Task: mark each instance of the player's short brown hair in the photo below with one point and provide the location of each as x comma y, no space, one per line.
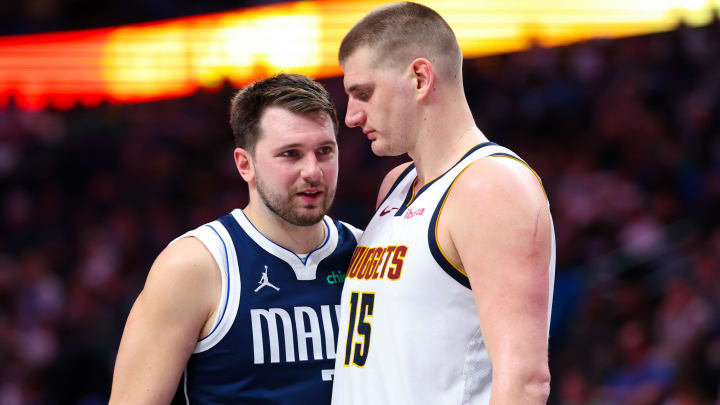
293,92
401,32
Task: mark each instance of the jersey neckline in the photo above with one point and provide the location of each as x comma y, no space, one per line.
304,269
412,196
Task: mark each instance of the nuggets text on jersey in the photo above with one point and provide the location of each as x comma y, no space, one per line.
371,263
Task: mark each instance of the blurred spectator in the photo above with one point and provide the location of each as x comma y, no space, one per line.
643,377
682,318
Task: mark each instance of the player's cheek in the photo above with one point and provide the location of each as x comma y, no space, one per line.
331,170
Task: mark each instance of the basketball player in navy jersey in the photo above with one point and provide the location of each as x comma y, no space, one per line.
447,299
243,310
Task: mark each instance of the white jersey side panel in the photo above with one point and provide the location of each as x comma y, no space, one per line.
409,330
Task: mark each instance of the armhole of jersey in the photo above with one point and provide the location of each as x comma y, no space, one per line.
218,241
357,232
449,267
397,182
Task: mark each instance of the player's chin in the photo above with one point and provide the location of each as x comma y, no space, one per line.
382,150
377,148
311,214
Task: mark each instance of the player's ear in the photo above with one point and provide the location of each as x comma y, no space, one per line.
243,162
424,77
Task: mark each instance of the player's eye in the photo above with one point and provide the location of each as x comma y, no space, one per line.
324,150
362,93
290,153
364,96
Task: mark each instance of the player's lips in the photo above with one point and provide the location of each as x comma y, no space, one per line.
310,195
369,133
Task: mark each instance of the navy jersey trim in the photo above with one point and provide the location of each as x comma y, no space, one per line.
412,196
397,182
437,253
227,292
512,157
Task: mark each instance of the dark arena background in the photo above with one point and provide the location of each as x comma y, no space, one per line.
624,130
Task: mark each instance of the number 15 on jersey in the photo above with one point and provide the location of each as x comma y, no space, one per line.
361,308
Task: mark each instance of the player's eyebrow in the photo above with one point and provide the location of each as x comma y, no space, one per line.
357,87
295,145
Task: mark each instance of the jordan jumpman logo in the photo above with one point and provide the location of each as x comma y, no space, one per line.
264,281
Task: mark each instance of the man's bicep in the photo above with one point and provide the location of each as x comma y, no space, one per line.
161,331
505,250
511,287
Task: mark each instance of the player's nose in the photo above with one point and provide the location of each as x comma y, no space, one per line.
355,116
311,171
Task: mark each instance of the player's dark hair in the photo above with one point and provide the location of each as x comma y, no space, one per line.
401,32
293,92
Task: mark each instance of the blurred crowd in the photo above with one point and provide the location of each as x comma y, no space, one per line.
624,133
39,16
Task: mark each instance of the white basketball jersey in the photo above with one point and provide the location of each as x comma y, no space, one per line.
409,330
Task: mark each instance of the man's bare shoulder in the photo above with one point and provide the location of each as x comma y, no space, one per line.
187,254
186,268
499,180
498,203
389,180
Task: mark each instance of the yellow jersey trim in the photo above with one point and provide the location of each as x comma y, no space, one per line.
437,243
526,165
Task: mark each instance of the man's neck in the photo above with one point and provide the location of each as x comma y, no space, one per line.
298,239
447,134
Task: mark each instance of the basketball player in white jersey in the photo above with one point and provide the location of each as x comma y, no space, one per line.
447,298
243,310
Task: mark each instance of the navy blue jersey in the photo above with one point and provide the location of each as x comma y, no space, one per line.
274,337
